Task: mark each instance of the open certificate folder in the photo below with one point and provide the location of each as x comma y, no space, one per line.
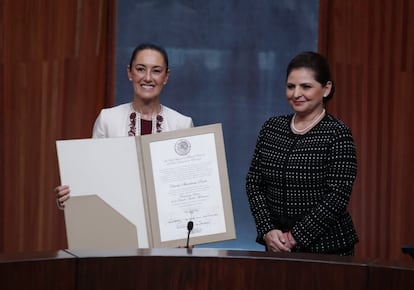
141,192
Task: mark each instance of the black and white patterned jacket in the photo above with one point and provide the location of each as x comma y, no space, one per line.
303,183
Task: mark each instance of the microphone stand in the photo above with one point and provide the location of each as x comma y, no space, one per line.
190,225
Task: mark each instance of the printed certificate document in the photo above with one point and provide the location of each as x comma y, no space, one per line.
140,192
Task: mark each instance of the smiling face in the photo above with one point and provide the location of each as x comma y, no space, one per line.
305,94
148,73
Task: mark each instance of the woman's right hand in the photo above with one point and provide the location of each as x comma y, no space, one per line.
276,241
62,194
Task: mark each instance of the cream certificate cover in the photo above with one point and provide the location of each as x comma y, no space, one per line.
108,168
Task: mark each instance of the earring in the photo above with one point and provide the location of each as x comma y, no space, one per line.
130,79
324,96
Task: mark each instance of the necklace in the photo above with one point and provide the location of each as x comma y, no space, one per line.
135,126
310,126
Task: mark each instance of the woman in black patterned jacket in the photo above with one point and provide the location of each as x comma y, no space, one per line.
303,168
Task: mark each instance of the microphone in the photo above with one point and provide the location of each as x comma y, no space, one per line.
190,225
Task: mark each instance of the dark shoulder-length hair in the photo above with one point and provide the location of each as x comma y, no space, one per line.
318,64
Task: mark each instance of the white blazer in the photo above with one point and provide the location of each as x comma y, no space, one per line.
115,122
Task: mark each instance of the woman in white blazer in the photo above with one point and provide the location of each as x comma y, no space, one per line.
148,73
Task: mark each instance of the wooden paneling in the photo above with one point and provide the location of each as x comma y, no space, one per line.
216,269
391,275
38,271
56,73
198,269
370,45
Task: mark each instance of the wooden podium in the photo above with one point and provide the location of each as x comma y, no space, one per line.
179,268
